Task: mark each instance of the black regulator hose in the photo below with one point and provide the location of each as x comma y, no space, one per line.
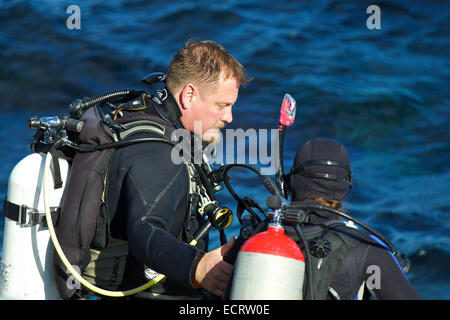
346,216
310,284
78,106
266,181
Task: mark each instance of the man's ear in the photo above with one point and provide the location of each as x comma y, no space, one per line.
187,95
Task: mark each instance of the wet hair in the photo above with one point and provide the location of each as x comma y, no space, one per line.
202,62
335,204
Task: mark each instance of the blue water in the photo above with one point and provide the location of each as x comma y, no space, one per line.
383,93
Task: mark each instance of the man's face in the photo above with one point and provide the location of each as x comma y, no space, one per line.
206,110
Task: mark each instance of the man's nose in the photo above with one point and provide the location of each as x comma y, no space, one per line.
227,115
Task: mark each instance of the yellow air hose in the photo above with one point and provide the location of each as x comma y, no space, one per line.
63,257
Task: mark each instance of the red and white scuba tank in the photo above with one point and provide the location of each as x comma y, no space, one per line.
269,266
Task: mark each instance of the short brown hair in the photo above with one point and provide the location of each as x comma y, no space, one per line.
201,62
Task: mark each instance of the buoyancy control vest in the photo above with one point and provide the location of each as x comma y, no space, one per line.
83,225
338,256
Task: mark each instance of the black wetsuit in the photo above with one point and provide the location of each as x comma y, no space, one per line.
394,284
367,258
147,201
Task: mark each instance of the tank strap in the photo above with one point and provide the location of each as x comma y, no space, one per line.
26,216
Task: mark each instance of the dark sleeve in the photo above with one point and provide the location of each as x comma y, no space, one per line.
385,278
154,194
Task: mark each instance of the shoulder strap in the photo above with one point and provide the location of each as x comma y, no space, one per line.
312,231
139,126
134,123
343,239
324,268
123,138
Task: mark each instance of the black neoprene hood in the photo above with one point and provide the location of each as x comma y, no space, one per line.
321,169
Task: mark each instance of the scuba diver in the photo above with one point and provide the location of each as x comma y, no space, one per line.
345,260
132,219
151,207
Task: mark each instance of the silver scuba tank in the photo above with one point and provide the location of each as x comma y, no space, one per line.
25,267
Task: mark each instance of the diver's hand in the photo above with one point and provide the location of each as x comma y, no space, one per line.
212,271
